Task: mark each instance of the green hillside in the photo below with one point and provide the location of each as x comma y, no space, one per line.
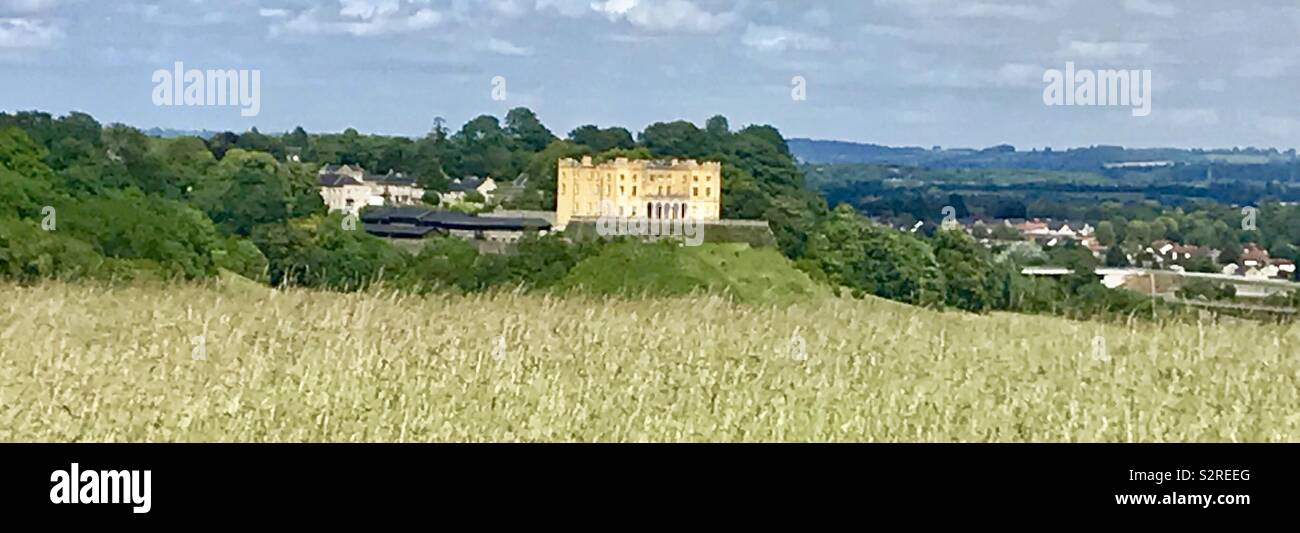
760,275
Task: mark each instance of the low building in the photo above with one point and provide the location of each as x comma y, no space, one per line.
459,188
419,222
349,188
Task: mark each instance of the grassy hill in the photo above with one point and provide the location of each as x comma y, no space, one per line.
92,363
756,275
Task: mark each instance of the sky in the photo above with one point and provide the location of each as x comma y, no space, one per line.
952,73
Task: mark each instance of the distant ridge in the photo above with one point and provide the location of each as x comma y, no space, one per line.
1006,156
168,133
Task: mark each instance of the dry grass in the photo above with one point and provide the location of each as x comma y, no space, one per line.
83,363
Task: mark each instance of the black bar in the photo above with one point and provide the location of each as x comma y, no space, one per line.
323,482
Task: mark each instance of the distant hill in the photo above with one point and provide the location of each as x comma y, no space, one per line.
1091,158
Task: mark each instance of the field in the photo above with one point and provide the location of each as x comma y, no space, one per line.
91,363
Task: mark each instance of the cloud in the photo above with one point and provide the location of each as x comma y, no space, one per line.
1019,75
25,33
1008,75
882,30
1266,68
362,18
368,9
1151,7
1104,50
509,8
568,8
968,9
1190,117
819,17
1281,127
777,39
1216,85
916,118
664,15
26,7
507,48
272,13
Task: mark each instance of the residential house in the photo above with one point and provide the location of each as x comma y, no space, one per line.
349,188
1253,256
1256,263
1033,228
459,188
1169,253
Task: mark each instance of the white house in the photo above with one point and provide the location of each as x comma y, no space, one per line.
348,188
456,192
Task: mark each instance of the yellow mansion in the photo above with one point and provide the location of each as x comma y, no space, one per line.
664,189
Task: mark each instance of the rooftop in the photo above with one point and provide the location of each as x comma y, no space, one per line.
425,217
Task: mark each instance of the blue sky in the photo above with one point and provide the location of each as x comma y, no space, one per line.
900,72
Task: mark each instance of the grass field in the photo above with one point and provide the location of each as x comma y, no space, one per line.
87,363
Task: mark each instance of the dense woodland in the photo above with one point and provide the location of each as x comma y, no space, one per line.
80,200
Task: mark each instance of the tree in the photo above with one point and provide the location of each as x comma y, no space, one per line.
443,262
966,269
1139,233
873,259
26,184
599,140
485,149
1201,264
221,143
1115,257
129,149
1004,232
298,138
174,238
675,139
247,189
28,253
718,126
526,130
1106,233
242,257
431,198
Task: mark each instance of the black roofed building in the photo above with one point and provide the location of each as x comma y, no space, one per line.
420,222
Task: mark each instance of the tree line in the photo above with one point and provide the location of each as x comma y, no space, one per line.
80,200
